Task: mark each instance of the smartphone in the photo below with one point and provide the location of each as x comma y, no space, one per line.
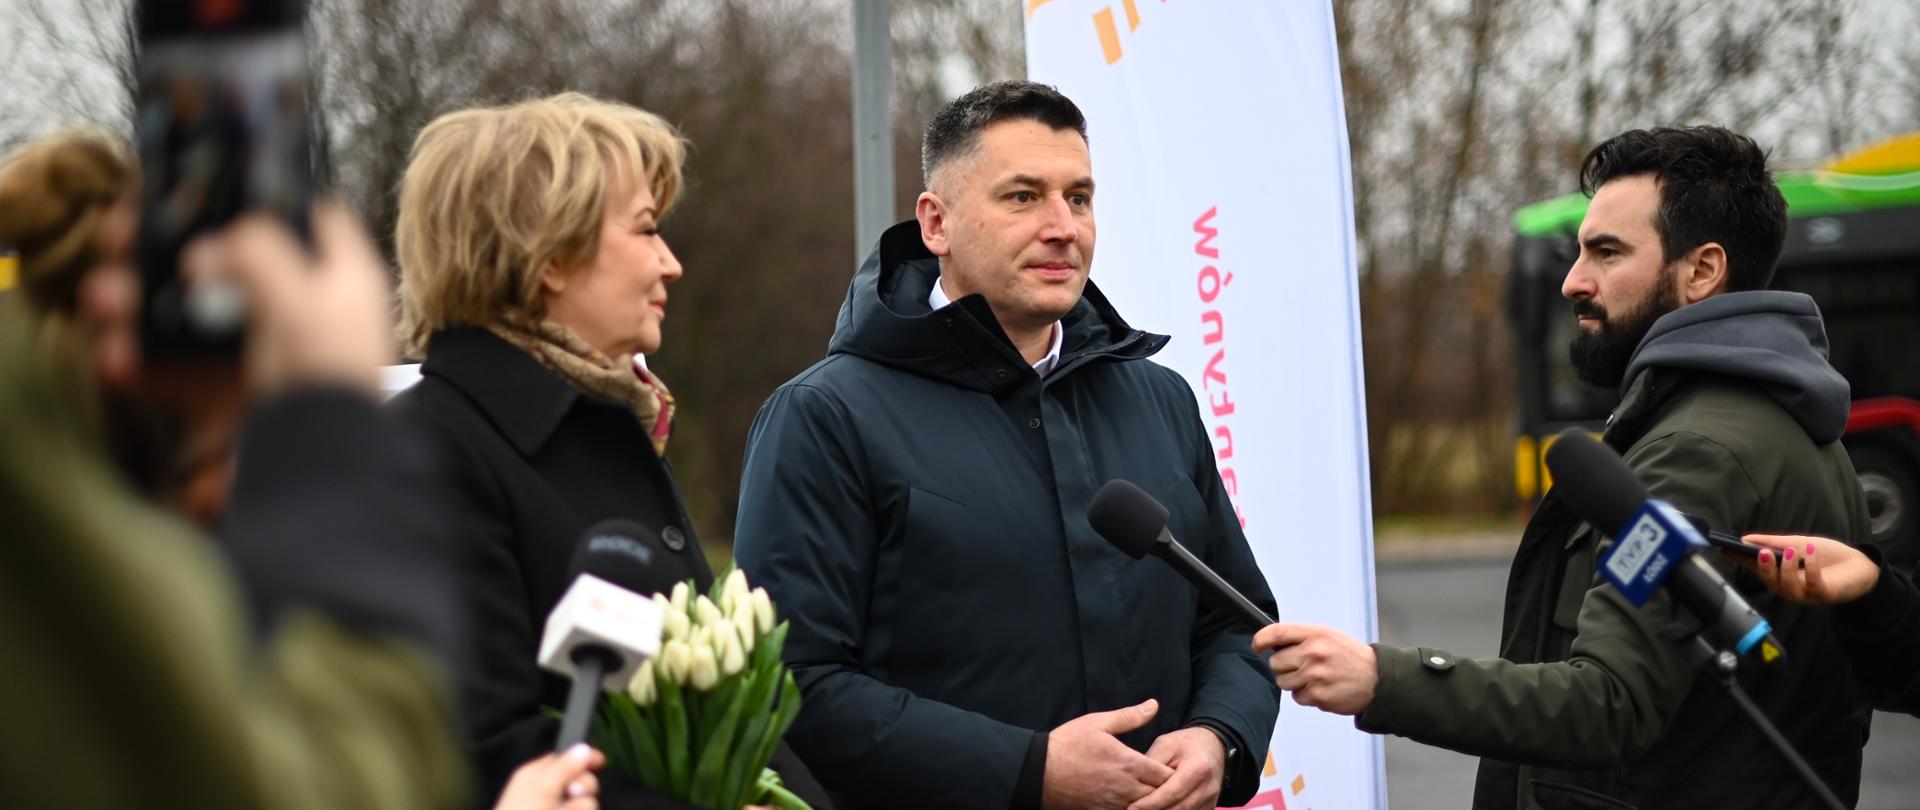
1722,540
221,127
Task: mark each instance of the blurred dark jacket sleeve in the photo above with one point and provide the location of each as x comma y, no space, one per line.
1881,634
133,676
335,508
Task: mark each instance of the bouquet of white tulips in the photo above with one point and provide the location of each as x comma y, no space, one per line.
700,721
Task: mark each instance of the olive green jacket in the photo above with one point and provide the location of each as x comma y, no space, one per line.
1588,705
132,676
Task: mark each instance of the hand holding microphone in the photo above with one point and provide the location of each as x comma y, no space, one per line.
565,780
1323,667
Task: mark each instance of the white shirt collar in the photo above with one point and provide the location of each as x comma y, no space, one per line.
938,299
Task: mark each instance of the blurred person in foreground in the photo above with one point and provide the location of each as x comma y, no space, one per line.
533,279
918,501
1876,607
296,661
1729,411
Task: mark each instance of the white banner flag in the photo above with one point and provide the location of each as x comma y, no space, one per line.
1225,219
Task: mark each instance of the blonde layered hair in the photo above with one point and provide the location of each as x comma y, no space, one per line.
494,197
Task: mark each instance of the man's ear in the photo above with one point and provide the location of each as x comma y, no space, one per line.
931,211
1703,273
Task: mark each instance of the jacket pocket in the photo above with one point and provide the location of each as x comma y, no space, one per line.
936,548
1549,795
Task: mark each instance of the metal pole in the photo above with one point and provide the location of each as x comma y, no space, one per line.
872,124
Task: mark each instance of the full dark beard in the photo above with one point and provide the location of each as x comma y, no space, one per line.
1600,358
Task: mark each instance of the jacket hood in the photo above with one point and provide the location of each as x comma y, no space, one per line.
886,319
1774,339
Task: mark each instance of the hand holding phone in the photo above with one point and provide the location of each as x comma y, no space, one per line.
1813,570
1722,540
222,131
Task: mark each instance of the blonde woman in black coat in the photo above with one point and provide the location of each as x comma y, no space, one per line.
533,279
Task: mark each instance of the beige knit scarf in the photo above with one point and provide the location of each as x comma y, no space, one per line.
563,352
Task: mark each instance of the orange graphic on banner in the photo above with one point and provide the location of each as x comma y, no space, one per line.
1104,25
1109,36
1276,799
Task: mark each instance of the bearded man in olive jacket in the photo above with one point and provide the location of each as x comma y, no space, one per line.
1731,413
916,504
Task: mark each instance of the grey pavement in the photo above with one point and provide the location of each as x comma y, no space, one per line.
1453,602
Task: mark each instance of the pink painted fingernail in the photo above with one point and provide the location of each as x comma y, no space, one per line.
1809,549
1766,556
1789,554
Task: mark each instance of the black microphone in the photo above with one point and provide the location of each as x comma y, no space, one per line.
602,629
1135,523
1654,544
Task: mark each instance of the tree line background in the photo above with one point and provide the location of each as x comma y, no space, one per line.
1459,111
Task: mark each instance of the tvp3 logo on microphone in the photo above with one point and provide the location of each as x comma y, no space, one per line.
1656,540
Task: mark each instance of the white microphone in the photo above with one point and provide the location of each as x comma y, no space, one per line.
602,629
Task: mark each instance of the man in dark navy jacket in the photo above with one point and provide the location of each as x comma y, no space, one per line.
916,504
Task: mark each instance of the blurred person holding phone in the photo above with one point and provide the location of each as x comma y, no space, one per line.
533,280
294,663
1876,607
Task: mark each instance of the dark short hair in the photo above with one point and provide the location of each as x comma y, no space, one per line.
955,130
1714,187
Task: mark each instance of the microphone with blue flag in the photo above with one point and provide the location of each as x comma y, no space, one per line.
1654,546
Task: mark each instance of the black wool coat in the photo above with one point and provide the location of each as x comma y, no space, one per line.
536,463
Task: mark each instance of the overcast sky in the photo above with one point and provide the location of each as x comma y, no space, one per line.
50,80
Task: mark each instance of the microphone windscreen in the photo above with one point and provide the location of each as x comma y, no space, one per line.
1594,481
1127,517
616,551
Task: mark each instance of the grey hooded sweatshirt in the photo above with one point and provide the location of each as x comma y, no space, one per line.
1773,340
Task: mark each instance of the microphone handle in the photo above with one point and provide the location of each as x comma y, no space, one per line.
1717,605
590,665
1250,615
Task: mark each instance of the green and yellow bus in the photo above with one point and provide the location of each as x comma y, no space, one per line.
1853,243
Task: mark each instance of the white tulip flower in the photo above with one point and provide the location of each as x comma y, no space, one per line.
680,598
732,602
677,624
705,670
763,609
732,657
736,583
705,611
744,625
676,660
642,688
